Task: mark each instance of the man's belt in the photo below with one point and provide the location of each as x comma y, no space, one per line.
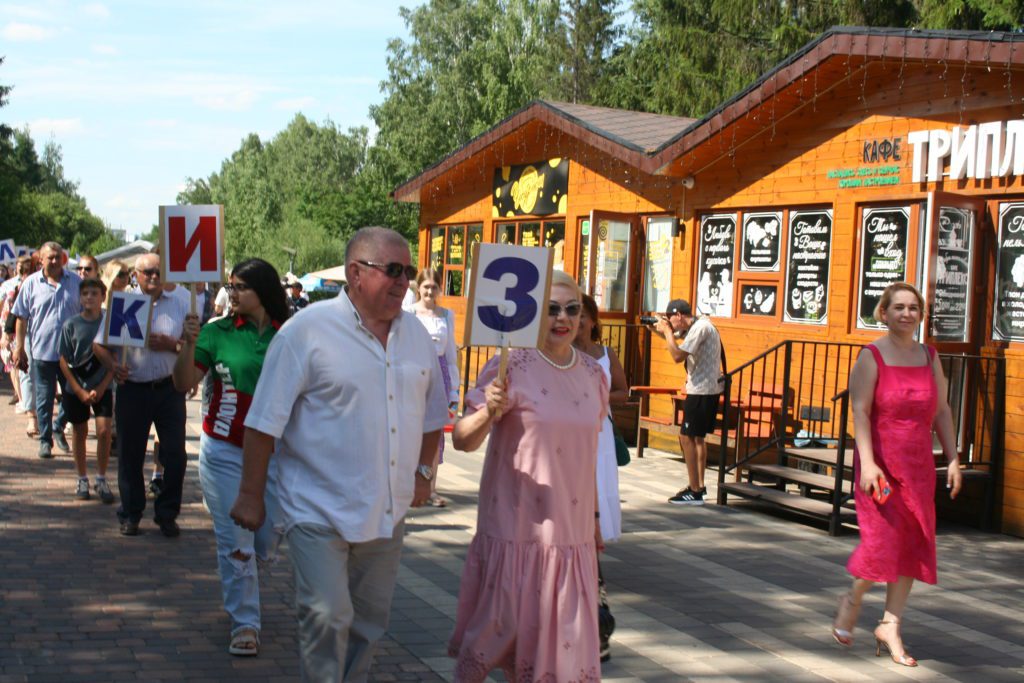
153,384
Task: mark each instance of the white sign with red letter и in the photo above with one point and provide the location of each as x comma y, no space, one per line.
192,243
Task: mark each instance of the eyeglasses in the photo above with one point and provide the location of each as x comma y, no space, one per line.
237,287
85,269
393,270
149,272
571,310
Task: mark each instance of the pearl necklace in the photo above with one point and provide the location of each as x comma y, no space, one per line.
560,366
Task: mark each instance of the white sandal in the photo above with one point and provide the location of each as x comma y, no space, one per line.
245,643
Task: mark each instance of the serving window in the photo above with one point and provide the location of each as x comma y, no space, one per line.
765,264
535,234
450,254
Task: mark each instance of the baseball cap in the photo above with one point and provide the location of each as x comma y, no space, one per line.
678,306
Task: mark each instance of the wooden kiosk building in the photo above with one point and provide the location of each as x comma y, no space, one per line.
869,156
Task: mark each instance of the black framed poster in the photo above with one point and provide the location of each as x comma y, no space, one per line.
715,268
883,258
952,304
762,239
759,300
1008,316
808,267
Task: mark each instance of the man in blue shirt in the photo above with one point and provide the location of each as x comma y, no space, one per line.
47,299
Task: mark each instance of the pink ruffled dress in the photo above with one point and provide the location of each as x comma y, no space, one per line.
528,598
897,538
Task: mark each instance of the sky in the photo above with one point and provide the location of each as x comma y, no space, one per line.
142,95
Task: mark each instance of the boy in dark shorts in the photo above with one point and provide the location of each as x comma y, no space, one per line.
88,384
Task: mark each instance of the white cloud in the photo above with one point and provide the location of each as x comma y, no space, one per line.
108,50
295,103
55,127
32,12
161,123
96,10
18,31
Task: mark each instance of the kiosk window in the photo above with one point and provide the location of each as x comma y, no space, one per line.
658,264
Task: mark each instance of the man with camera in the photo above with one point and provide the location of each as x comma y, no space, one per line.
701,349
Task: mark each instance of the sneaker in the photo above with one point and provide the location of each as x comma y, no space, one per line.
45,450
703,491
82,491
605,650
156,486
104,492
61,441
687,497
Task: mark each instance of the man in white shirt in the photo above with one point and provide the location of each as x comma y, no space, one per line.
352,391
146,397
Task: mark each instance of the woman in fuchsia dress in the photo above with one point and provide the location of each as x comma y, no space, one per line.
898,393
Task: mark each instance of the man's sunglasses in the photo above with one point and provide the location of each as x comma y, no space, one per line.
237,287
122,273
393,270
149,272
85,268
571,310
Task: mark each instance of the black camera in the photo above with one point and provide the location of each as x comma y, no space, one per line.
649,320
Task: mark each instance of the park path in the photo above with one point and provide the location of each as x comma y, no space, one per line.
705,594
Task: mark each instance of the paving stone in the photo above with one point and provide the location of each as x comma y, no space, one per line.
708,594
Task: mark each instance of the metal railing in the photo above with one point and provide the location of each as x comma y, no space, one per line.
632,344
795,395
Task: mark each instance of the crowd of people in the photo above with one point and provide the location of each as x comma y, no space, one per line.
286,452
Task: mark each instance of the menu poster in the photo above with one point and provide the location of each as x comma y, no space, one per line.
808,268
883,258
1008,316
949,318
658,265
762,237
715,268
759,300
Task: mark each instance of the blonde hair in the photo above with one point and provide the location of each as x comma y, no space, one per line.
559,277
110,272
886,300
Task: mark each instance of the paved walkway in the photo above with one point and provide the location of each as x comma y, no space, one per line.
705,594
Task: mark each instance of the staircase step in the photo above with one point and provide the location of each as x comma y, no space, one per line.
825,456
789,501
818,481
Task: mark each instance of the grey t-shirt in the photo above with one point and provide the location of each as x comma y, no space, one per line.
76,338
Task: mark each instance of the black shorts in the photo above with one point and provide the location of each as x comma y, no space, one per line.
77,412
699,413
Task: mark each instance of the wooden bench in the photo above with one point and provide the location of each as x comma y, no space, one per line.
671,425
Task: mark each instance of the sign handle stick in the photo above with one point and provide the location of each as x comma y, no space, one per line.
120,356
192,297
502,369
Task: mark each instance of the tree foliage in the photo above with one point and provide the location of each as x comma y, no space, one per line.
301,190
37,201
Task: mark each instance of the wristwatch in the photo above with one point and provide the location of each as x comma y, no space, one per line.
425,471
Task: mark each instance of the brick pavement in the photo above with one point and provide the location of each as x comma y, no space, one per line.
709,594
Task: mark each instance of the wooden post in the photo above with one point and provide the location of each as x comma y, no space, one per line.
192,297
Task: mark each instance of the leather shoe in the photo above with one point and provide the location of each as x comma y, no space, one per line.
129,528
169,528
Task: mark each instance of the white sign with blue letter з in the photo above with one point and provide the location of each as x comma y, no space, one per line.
127,319
508,299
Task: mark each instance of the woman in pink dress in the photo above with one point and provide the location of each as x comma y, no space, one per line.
898,394
528,598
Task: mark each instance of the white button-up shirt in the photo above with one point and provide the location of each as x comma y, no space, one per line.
349,417
147,365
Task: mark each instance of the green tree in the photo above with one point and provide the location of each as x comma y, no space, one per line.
975,15
590,36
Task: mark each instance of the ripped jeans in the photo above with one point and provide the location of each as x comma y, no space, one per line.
220,472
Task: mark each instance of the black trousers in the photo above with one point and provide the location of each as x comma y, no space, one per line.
140,406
